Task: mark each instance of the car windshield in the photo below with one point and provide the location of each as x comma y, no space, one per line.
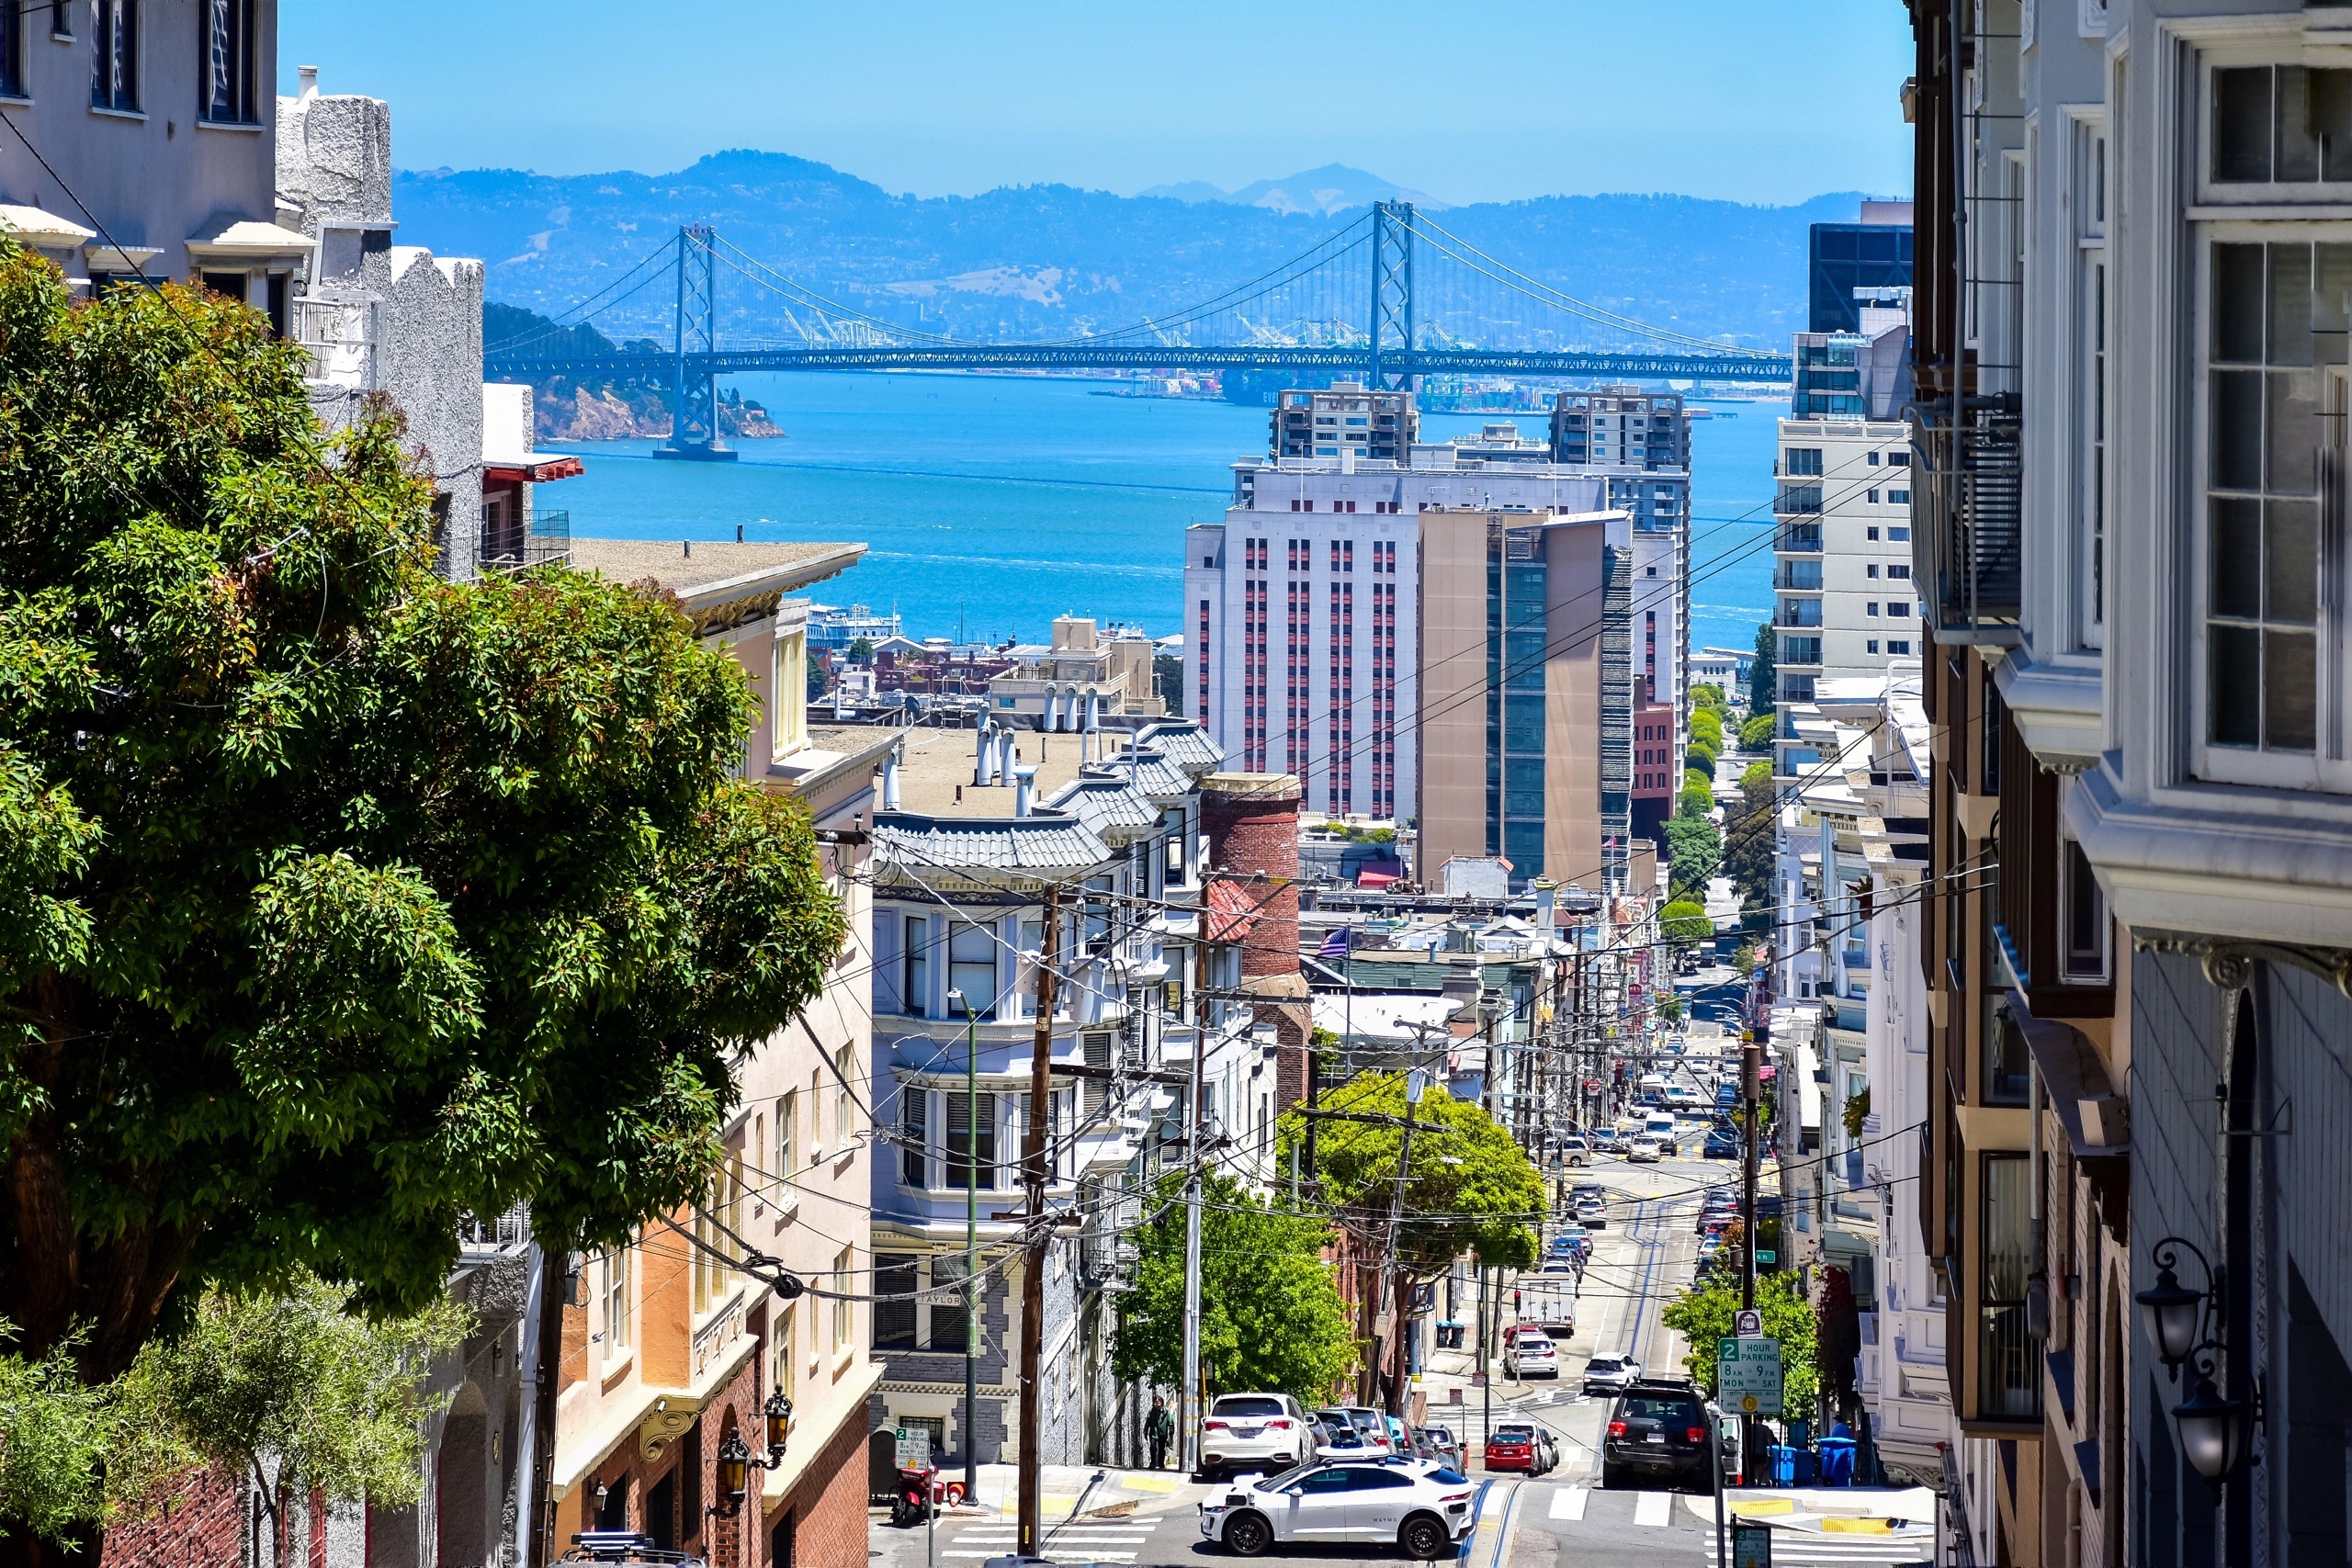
1245,1404
1440,1434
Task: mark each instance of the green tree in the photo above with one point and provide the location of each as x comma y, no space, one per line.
1695,849
1707,728
385,899
1707,695
861,650
1685,923
1270,1313
1747,840
1709,1311
1763,675
1469,1187
1757,733
296,1393
1698,760
1696,800
56,1433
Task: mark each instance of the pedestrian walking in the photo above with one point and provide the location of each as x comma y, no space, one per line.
1159,1427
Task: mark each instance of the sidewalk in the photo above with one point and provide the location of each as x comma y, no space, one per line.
1139,1490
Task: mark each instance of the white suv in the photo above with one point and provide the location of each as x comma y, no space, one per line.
1255,1431
1420,1505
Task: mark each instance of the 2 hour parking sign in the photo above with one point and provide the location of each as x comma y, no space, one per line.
1747,1375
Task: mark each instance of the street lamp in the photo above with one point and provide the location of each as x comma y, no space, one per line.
2186,1326
735,1460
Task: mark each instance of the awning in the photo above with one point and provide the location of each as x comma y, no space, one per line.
120,258
42,230
2095,1117
1232,909
532,468
247,239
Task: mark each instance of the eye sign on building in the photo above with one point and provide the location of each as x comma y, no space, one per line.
1747,1375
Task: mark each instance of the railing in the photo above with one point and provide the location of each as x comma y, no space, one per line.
511,546
509,1232
340,329
1803,576
1804,650
1801,612
1966,498
1802,538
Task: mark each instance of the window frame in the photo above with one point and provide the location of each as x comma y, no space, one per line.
2090,410
616,1296
112,20
245,94
2263,766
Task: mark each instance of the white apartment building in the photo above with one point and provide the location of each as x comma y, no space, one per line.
1302,607
1844,605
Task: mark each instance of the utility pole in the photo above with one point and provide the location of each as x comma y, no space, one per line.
1751,1092
1032,1270
1388,1269
1188,1411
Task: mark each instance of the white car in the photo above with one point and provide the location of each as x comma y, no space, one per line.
1255,1431
1419,1505
1534,1356
1645,1150
1610,1374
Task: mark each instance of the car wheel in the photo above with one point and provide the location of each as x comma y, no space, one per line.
1248,1535
1423,1538
1612,1475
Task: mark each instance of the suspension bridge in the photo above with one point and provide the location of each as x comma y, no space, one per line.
1385,299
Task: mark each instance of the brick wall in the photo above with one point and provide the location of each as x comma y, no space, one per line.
822,1523
1252,821
726,1543
199,1524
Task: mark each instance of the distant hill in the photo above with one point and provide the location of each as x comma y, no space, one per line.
1334,187
1031,261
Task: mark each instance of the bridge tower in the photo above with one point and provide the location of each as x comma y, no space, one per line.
694,434
1392,295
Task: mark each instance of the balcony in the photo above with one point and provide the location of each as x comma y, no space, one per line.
511,546
1966,500
339,329
1800,651
1800,576
1799,538
1801,613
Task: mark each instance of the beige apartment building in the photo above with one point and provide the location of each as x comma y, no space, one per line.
1517,691
669,1349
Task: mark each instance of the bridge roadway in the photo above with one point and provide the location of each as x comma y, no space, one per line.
1758,368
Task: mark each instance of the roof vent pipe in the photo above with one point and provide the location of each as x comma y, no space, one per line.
1024,787
1002,773
984,753
890,780
308,78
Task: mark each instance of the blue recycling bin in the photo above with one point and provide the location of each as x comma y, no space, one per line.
1837,1462
1783,1464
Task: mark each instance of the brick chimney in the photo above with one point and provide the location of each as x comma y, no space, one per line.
1252,821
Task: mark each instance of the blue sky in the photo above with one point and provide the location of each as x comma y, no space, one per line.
1753,100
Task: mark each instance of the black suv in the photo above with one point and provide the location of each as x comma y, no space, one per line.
1658,1428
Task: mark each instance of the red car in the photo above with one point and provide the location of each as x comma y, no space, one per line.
1511,1448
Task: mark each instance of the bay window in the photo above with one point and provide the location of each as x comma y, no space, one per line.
2089,552
971,967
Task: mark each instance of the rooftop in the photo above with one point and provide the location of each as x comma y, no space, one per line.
705,573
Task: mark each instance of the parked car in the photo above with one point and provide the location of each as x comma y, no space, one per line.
1444,1447
1721,1144
1532,1354
1512,1446
1255,1431
1424,1508
1609,1373
1593,1212
1400,1436
1644,1150
1658,1429
1572,1240
1373,1425
1337,1436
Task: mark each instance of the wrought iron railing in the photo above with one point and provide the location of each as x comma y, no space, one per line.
509,1232
1967,499
339,330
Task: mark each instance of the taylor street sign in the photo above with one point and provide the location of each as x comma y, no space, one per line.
1747,1375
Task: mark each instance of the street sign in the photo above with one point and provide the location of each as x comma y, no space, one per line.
1750,1322
1747,1374
1751,1546
1763,1256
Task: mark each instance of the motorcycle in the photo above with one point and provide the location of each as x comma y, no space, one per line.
923,1491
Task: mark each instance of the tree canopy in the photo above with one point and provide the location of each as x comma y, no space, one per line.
337,900
1271,1314
1685,923
1694,849
1757,733
1763,675
1468,1187
1708,1312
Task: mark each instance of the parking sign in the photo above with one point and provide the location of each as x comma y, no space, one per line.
1748,1323
1747,1375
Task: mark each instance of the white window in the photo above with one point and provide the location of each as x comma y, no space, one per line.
2083,925
844,1309
2089,541
2274,348
615,1293
914,984
971,967
788,1135
844,1102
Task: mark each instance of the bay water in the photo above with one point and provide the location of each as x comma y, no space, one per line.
990,505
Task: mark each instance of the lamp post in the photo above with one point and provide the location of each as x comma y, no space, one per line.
971,1243
2186,1326
736,1461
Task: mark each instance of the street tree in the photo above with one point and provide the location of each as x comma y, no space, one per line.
337,900
1686,924
1763,675
298,1393
1708,1312
1693,851
1271,1314
1468,1187
55,1434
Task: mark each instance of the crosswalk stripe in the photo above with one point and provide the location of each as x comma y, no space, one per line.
1568,1501
1653,1509
1090,1556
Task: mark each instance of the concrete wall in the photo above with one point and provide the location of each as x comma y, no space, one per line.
150,180
1572,617
1451,721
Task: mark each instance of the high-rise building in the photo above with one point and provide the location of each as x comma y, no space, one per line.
1526,693
1847,262
1345,420
1302,629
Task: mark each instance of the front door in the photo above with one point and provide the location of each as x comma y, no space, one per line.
1376,1504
